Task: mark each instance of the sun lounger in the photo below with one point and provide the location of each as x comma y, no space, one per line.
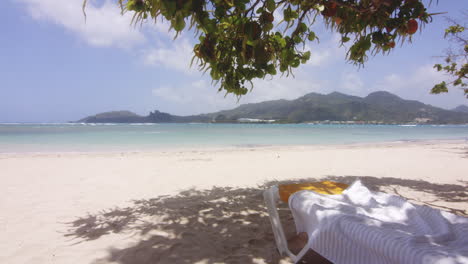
360,226
282,193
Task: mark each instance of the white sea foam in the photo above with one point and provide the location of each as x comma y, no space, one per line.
143,124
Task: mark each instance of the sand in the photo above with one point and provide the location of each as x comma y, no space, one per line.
195,205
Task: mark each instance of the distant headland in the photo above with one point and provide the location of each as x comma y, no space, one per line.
376,108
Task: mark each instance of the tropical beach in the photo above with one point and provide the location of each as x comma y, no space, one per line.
234,131
198,205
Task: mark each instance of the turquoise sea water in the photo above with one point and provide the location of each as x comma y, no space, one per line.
141,137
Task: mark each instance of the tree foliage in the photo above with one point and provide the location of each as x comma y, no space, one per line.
456,60
240,40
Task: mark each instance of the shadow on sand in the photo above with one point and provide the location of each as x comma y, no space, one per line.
227,225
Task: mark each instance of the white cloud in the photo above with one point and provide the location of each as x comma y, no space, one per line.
171,94
284,88
189,98
416,85
105,26
200,84
419,80
318,57
327,52
200,96
353,84
176,56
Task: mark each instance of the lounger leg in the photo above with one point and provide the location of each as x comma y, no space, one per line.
304,250
271,196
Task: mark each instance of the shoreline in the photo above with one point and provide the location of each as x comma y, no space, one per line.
218,148
236,123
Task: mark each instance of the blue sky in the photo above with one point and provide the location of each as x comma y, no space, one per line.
54,67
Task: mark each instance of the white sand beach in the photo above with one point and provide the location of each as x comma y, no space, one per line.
195,205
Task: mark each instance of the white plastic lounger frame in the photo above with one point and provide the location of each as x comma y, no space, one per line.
271,197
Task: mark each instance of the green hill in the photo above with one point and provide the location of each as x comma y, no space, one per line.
379,107
114,117
461,108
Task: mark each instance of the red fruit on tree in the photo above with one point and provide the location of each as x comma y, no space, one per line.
412,27
337,20
330,10
266,17
389,45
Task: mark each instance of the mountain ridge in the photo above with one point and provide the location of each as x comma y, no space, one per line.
376,107
461,108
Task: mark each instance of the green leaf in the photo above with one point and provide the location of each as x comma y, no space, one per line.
287,14
271,69
295,63
280,41
440,88
303,28
283,67
270,5
297,39
311,36
131,5
170,7
178,23
135,5
252,43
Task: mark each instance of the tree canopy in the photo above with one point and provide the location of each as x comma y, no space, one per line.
240,40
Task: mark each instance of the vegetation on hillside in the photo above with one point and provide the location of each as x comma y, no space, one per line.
380,107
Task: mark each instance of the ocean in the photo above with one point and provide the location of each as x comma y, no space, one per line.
70,137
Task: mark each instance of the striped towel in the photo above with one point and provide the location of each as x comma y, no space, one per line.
360,226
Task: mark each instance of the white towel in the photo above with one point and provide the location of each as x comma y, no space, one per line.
360,226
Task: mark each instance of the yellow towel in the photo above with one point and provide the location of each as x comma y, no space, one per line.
324,187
